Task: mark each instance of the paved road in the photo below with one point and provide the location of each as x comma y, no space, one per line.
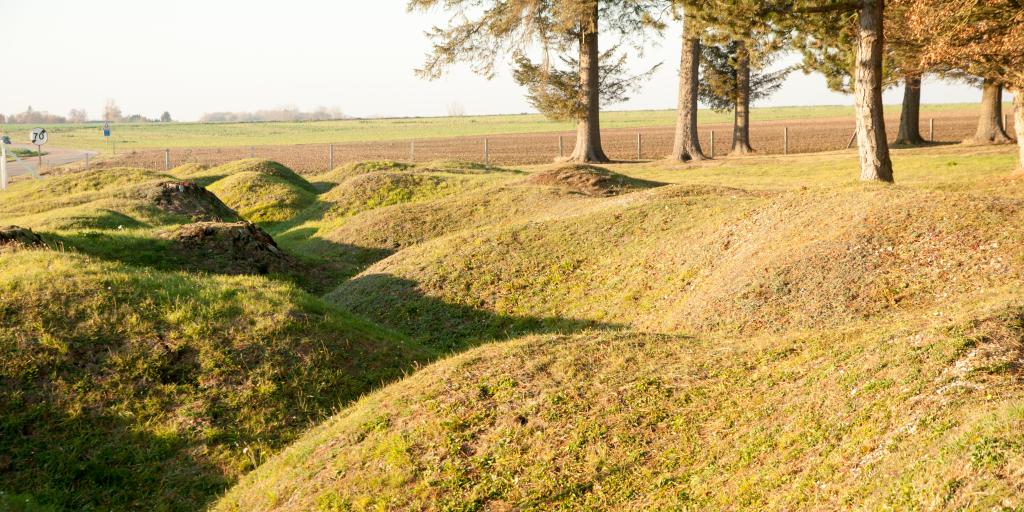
54,157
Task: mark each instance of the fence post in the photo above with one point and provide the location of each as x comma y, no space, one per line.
412,151
561,147
87,160
785,140
252,151
931,129
330,157
487,154
639,146
712,155
167,160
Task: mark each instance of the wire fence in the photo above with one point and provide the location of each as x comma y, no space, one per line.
767,138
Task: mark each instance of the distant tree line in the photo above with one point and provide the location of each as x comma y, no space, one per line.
279,114
111,112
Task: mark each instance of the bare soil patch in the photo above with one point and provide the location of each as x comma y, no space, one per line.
16,236
189,199
230,248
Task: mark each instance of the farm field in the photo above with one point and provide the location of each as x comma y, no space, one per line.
807,134
449,336
222,135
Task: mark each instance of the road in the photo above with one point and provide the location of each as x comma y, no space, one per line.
54,157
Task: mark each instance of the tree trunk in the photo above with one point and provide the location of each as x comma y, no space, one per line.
686,146
990,123
1018,124
741,120
588,130
875,164
910,116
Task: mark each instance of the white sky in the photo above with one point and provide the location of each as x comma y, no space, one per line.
192,57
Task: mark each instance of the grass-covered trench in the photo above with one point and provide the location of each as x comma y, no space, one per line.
752,333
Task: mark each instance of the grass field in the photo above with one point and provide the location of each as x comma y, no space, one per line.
753,333
195,135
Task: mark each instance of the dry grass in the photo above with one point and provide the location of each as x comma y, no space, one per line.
750,333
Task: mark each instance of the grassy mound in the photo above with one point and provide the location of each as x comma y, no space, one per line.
709,260
108,199
36,196
260,190
588,180
229,248
379,189
359,168
876,417
132,389
264,167
408,224
263,197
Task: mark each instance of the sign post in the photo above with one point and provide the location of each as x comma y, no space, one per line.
39,137
106,132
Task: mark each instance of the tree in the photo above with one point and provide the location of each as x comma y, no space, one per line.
111,112
729,84
860,34
455,109
556,93
482,31
165,117
910,113
686,144
990,120
980,38
77,116
752,44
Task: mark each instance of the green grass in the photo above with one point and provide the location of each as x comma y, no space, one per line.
751,333
177,135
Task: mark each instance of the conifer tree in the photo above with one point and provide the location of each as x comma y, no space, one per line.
729,84
480,32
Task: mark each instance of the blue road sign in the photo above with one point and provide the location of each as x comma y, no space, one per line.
106,129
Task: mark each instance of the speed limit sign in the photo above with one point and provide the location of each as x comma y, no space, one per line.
39,136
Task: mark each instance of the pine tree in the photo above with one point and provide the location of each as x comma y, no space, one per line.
686,144
731,82
480,32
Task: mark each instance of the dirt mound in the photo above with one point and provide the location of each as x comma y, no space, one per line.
17,236
588,180
230,248
188,199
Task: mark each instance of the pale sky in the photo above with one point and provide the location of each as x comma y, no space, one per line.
190,57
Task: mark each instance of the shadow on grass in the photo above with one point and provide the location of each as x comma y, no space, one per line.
398,304
95,460
321,265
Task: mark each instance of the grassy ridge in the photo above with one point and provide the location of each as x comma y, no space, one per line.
761,333
131,381
177,135
829,346
868,418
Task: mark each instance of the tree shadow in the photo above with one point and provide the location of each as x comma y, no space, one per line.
398,303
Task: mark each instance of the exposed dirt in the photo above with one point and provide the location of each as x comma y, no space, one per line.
15,236
767,138
588,180
230,248
189,199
